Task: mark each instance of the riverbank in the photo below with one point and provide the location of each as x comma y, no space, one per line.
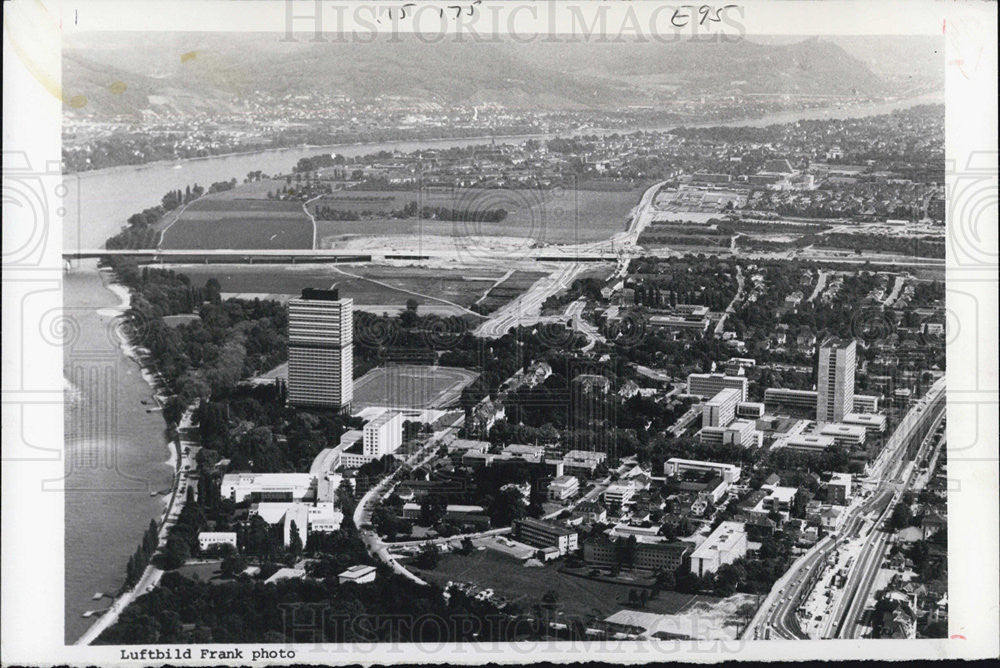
107,507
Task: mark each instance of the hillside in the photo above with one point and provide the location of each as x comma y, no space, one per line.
198,72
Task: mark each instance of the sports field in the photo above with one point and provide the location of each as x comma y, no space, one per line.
411,386
234,223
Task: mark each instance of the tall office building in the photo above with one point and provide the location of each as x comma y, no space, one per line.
320,349
835,382
720,410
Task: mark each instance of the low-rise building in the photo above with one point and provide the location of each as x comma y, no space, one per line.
563,487
750,409
780,397
838,488
582,462
723,546
845,435
255,487
874,423
529,453
676,323
603,551
619,494
463,445
591,511
545,534
676,465
707,385
865,403
809,443
357,575
209,539
780,499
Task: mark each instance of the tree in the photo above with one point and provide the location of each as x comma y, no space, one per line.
551,599
232,564
428,557
432,509
295,540
901,516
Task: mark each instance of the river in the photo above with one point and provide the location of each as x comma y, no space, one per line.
98,202
104,527
116,451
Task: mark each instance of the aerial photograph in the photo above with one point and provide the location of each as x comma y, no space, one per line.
400,341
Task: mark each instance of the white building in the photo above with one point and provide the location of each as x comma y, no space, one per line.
322,471
872,422
720,410
209,539
865,403
582,461
809,443
835,383
383,435
306,518
706,385
676,465
240,487
743,433
619,494
529,453
723,546
320,349
778,498
781,397
848,435
563,487
357,575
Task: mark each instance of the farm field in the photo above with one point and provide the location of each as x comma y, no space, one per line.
545,217
394,286
578,597
250,224
411,386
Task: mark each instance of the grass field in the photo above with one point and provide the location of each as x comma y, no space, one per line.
578,597
240,223
545,216
394,286
411,386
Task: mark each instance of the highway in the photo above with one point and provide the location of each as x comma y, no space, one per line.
525,309
900,478
777,615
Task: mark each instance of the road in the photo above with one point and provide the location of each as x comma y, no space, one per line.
862,578
526,309
897,287
820,284
362,512
776,617
732,305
